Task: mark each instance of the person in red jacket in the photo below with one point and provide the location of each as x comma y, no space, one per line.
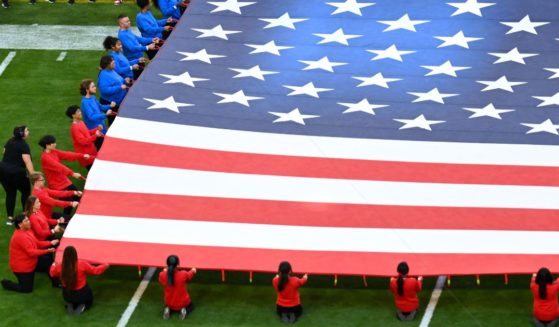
83,138
544,289
72,272
288,303
47,196
174,281
28,255
405,291
55,172
41,225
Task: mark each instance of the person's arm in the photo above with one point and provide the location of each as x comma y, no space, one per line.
130,42
50,164
91,112
123,67
107,85
95,270
419,284
70,156
302,281
37,230
55,270
143,40
82,138
148,27
28,163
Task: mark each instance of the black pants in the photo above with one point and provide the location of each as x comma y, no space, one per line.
110,119
151,54
68,210
13,181
82,296
26,280
297,310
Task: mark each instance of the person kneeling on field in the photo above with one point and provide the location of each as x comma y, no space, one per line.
546,307
176,294
288,302
405,291
75,290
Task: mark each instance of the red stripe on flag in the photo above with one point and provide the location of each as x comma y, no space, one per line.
314,214
115,149
316,262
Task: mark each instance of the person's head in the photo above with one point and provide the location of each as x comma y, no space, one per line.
543,278
22,222
172,264
74,112
123,22
284,271
32,204
403,269
48,142
20,133
69,261
143,4
110,43
37,179
107,62
87,87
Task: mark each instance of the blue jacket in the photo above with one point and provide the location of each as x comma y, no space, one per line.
94,113
170,8
123,66
133,46
149,26
110,85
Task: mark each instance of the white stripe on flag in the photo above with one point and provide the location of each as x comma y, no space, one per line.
133,178
262,236
334,147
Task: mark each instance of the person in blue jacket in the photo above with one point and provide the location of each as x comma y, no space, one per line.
171,8
112,86
94,113
148,25
133,46
128,69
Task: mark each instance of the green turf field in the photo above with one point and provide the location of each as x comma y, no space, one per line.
35,90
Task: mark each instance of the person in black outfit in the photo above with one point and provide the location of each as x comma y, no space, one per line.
15,164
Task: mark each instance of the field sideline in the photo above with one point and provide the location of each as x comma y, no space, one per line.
36,89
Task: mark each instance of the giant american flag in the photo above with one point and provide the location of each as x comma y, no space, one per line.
341,135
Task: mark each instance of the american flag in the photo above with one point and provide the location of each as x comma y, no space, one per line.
341,135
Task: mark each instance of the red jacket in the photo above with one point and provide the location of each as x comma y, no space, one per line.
545,309
409,301
40,225
83,140
46,196
289,296
55,172
24,250
83,269
176,296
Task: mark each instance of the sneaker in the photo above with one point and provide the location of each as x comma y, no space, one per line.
69,308
167,313
118,2
5,283
50,1
91,1
79,309
10,220
284,318
183,314
5,6
291,318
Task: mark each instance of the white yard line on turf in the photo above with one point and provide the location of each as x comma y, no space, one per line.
136,298
7,61
433,302
55,37
61,56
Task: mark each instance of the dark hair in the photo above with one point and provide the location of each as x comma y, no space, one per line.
172,263
18,219
29,203
18,132
156,3
403,270
543,278
84,86
34,177
142,3
46,140
105,61
284,270
69,263
109,42
121,16
71,110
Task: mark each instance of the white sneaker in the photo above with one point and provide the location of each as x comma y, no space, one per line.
10,221
183,314
167,313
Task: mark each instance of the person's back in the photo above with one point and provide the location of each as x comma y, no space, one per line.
176,295
289,296
545,309
408,301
